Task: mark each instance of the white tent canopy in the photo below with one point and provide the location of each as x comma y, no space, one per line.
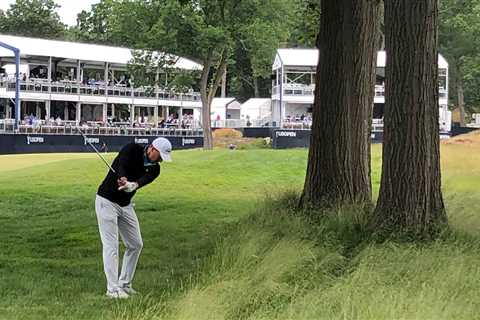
77,51
222,107
256,108
309,58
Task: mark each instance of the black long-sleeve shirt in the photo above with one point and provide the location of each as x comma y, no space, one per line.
129,163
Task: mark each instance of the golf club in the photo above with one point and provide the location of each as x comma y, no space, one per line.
95,149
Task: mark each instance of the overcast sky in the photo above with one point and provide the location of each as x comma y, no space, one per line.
68,10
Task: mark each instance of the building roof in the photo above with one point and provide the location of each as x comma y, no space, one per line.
298,57
309,58
77,51
255,103
222,102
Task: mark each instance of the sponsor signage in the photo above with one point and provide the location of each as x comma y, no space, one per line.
141,140
188,141
92,140
31,140
291,134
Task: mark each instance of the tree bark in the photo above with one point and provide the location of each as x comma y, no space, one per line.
206,123
410,198
361,33
461,100
338,168
208,92
256,90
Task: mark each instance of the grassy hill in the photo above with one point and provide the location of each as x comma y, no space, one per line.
218,244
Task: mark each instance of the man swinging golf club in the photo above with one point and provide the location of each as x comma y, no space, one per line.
134,167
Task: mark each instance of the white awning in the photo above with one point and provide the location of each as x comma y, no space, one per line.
221,102
256,103
309,58
77,51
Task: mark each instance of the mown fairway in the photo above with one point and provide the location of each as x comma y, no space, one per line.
203,257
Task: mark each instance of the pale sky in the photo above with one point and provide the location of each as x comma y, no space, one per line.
68,10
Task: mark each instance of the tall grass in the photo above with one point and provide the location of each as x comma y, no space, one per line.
277,265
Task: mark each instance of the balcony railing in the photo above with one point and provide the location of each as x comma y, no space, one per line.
308,90
380,92
293,89
98,128
75,88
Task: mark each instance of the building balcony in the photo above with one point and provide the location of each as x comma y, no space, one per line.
98,90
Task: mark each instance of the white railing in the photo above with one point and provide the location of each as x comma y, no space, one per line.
379,91
295,89
301,125
240,123
96,128
377,124
75,88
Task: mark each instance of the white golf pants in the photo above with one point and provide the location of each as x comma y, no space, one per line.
114,219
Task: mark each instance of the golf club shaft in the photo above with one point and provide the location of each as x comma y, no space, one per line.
95,149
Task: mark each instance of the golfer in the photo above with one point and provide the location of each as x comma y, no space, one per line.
134,167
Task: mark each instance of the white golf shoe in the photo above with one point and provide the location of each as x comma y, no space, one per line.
118,294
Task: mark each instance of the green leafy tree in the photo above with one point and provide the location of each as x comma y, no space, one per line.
32,18
459,43
209,32
267,26
113,22
305,18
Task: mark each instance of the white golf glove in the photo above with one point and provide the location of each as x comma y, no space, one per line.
129,187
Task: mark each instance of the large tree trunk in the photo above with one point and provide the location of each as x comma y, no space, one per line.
361,31
338,163
410,197
461,100
328,170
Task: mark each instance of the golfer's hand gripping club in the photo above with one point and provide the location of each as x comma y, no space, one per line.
127,186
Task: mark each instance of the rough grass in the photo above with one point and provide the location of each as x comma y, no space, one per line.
221,244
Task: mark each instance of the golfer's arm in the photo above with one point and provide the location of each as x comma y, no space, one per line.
123,158
148,177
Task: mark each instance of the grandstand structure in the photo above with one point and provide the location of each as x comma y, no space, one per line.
293,85
65,84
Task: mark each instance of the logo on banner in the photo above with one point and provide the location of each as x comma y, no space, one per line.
35,140
292,134
141,140
187,141
92,140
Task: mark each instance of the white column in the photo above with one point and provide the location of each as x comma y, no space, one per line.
155,116
78,112
49,75
104,113
38,112
157,77
8,110
65,111
79,79
106,78
47,110
113,110
132,114
49,81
